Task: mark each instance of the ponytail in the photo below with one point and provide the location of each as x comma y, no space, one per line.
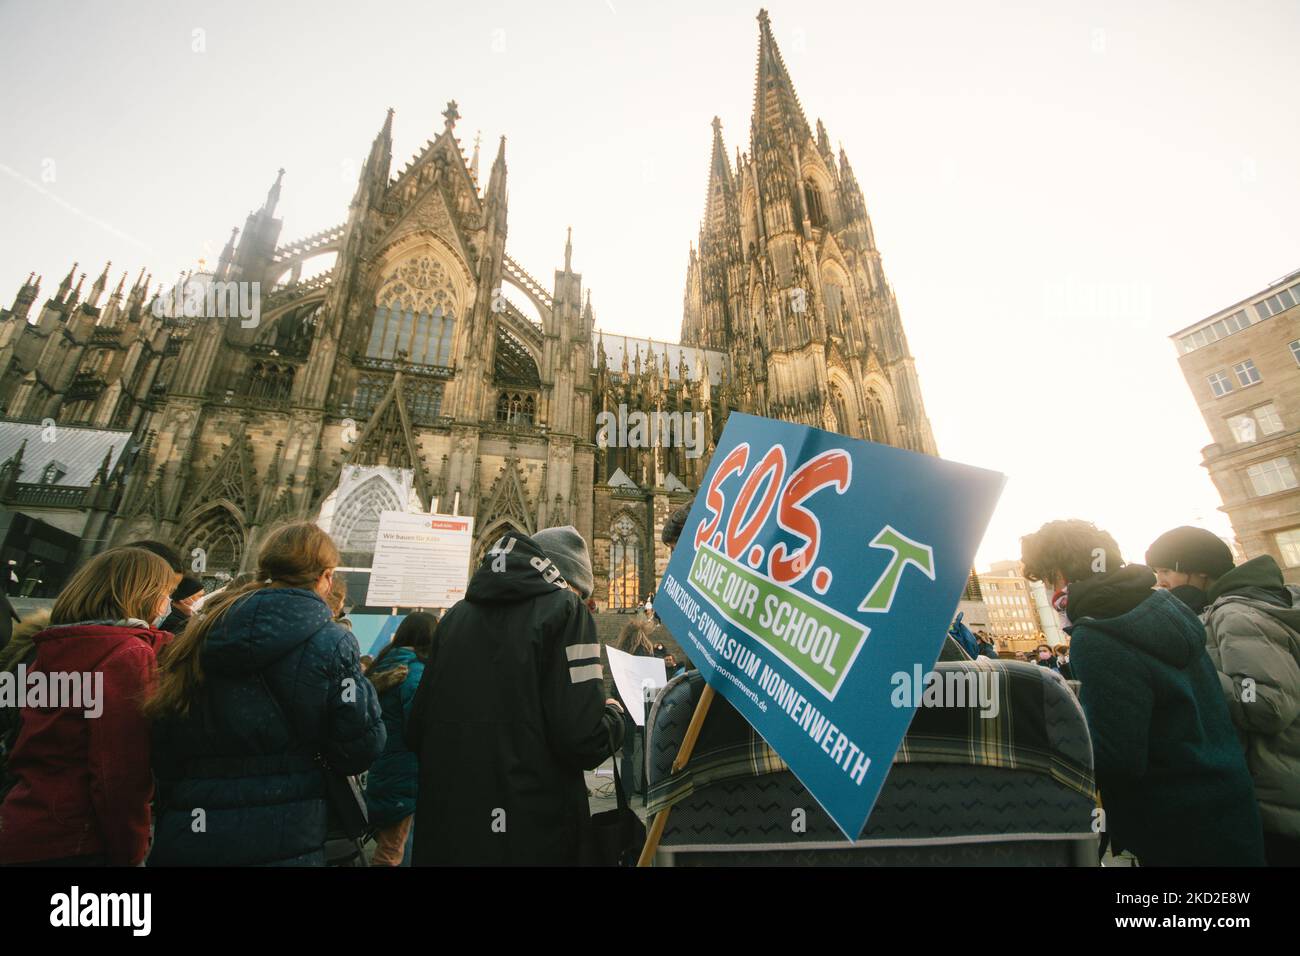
295,555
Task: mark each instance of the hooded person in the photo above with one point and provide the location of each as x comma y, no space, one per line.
1171,772
511,710
1252,624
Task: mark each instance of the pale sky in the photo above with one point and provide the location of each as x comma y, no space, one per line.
1055,187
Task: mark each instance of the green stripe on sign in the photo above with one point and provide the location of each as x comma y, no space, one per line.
815,640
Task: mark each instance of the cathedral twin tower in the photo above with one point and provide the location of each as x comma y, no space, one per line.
405,376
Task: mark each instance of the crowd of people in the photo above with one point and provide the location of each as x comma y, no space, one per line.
232,725
1189,677
229,724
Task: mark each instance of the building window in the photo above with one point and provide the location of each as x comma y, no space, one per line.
1288,545
624,565
515,408
1248,428
1270,477
1295,351
424,399
369,393
424,338
52,473
1243,428
1270,422
1220,385
1216,330
1246,373
1279,302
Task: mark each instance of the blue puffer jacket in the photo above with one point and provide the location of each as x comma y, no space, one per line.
237,782
392,783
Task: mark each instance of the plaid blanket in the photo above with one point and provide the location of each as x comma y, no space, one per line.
1020,737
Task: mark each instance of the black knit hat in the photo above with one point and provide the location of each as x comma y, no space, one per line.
1191,551
674,525
188,587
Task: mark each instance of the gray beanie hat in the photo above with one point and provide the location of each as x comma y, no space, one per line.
568,550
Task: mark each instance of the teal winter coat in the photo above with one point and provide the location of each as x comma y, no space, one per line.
1171,772
392,783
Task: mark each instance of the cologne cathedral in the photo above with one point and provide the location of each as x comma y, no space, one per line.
406,377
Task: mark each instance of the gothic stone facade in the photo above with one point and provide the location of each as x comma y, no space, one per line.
409,353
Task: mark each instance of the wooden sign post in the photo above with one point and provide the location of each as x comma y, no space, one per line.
656,831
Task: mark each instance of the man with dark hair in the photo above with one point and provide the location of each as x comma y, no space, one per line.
1252,624
1173,781
187,592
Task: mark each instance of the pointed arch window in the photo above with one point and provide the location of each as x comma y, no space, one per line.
876,419
816,205
425,338
833,296
269,382
624,564
369,393
423,399
516,408
220,536
843,420
356,523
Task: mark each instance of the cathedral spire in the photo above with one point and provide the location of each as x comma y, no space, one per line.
568,250
227,255
473,163
66,284
121,284
26,296
776,107
76,291
497,177
273,196
381,151
721,182
97,290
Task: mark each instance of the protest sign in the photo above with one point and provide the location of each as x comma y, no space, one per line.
630,674
812,569
420,560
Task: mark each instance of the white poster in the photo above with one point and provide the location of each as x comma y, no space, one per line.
420,560
631,674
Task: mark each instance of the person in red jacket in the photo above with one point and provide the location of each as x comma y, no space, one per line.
82,757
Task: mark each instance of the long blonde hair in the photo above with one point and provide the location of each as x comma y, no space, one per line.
115,585
295,555
634,638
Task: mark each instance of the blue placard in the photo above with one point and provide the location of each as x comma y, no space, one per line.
812,569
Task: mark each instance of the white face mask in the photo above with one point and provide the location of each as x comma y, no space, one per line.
157,622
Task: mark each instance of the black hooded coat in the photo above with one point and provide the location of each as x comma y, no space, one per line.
510,712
